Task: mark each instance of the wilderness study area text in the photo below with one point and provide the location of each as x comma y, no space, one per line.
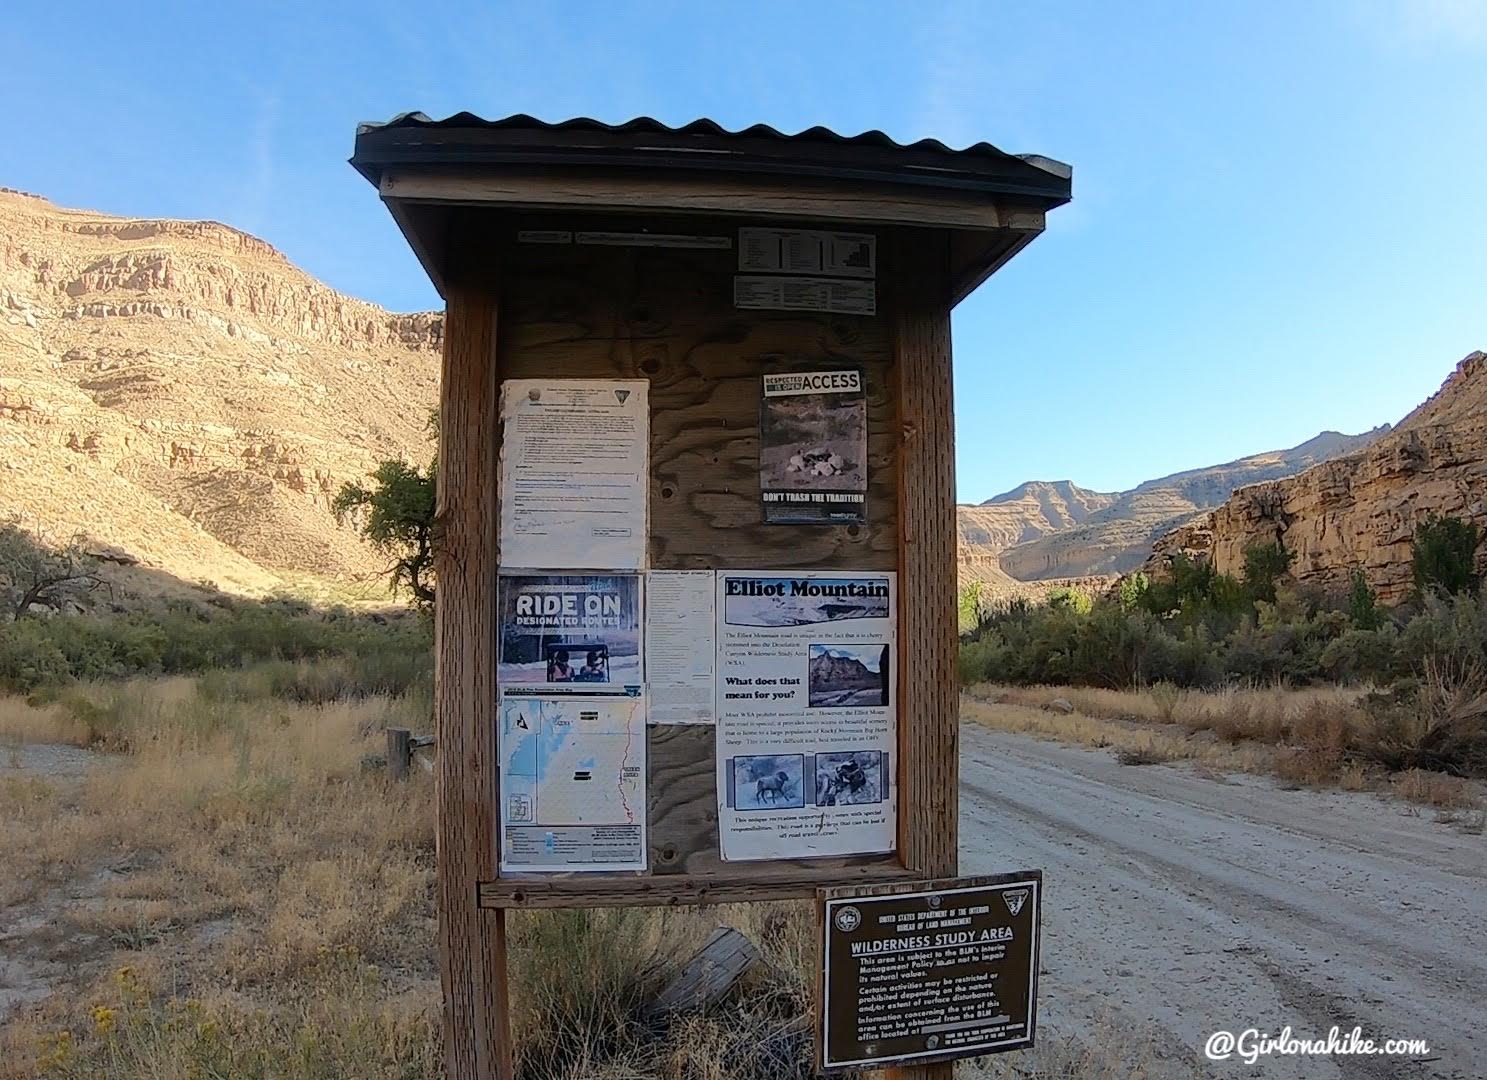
931,941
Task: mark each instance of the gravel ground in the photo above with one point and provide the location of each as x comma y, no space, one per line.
1188,904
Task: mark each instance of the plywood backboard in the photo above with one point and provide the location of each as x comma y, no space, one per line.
667,315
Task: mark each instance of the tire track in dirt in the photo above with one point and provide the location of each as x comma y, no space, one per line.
1192,904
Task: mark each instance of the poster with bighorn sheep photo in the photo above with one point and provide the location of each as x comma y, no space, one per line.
813,448
806,722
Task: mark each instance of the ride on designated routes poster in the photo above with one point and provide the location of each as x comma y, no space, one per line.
813,448
574,631
571,740
806,713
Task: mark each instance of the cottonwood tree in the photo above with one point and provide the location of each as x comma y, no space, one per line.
35,572
395,513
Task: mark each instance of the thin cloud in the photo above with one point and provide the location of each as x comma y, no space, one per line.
1454,25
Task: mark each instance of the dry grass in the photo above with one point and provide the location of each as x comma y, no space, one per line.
1261,714
1123,734
1316,737
233,857
228,892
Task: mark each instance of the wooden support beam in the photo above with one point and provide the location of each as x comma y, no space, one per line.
708,977
399,753
928,740
472,941
549,189
659,890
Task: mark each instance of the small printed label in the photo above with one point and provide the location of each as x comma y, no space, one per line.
667,240
804,294
544,236
808,251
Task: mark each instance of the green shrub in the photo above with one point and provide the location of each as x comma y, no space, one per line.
1363,603
1203,629
1264,565
1444,555
380,654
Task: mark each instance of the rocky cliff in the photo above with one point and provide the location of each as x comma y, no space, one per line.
179,391
1360,511
1088,533
828,672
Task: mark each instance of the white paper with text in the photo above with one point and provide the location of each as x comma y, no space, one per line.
680,646
573,473
806,729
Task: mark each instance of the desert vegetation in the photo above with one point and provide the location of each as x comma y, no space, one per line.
232,888
209,875
1252,673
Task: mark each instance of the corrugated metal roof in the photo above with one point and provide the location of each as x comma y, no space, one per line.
467,139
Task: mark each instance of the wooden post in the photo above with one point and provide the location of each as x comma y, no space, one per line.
472,941
399,753
929,727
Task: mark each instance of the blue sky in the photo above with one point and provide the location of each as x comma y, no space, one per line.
1280,215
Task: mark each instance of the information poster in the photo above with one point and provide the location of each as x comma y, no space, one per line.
680,646
573,785
570,631
813,447
573,473
571,739
949,970
806,724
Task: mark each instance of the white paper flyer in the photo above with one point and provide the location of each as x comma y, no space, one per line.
806,723
808,251
680,646
573,473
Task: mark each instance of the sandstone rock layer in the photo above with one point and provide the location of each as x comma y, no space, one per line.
1360,511
179,391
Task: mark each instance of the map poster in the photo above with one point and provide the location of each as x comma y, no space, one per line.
813,448
570,632
573,473
806,727
573,781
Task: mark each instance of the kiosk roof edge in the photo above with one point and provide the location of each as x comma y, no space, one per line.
979,205
465,139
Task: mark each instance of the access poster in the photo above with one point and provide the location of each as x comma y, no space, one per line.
813,448
806,723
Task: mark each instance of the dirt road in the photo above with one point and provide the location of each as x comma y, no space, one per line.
1188,904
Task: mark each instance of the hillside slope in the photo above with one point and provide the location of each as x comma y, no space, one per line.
181,392
1116,534
1360,511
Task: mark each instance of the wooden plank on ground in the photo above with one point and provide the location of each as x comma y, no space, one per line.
708,977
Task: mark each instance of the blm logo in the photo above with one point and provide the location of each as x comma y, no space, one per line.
621,395
1014,899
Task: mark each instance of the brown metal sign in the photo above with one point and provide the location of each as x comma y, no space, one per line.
929,971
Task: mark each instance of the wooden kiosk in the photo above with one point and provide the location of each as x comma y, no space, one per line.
493,210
